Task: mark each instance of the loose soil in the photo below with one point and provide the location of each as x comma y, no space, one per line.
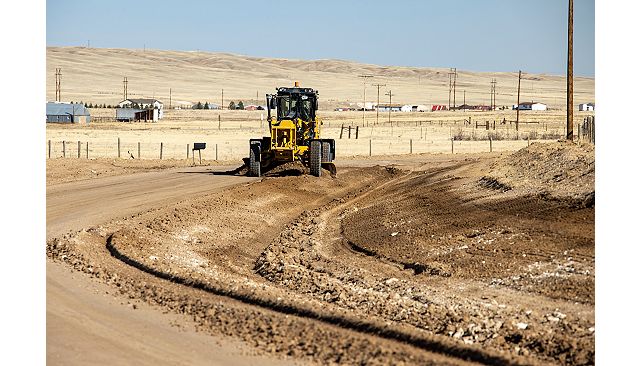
452,261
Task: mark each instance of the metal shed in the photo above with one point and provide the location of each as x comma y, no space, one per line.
67,113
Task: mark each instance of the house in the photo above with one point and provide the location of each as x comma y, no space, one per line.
587,107
413,108
530,106
143,104
344,109
438,107
58,112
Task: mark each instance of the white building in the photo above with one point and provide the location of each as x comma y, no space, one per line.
414,108
531,106
586,107
143,104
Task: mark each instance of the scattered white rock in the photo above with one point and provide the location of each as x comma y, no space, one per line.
592,329
522,326
552,318
394,233
153,258
391,280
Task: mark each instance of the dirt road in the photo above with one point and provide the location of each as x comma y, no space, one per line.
440,262
86,324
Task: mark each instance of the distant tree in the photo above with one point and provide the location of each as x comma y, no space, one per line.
104,105
240,105
199,105
81,102
206,105
232,105
89,106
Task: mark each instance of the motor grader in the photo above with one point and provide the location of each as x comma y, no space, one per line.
295,134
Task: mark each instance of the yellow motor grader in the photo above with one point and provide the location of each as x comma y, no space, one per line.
295,134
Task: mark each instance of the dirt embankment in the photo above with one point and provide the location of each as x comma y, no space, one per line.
376,266
560,170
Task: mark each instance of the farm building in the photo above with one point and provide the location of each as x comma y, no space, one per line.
438,107
344,109
414,108
67,113
467,107
136,114
530,106
587,107
142,104
392,107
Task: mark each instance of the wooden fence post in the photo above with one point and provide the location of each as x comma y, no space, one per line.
528,141
87,150
216,152
490,145
161,151
187,151
349,132
357,132
410,146
49,149
452,145
79,149
118,147
64,149
369,147
219,120
341,129
138,149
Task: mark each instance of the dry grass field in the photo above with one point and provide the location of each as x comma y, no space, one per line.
95,75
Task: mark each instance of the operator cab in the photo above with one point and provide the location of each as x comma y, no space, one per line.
293,103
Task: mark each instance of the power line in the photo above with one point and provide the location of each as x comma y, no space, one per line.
378,105
364,95
455,77
518,106
125,91
58,82
570,74
493,94
389,94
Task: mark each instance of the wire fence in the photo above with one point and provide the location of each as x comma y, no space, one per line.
236,150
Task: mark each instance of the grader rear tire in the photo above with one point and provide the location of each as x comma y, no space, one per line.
254,158
315,158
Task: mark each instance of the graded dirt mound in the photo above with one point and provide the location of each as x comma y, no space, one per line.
560,170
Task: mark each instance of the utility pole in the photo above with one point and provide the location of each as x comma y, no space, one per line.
222,104
455,77
378,105
58,81
450,84
169,98
493,94
389,94
364,95
518,106
125,91
570,75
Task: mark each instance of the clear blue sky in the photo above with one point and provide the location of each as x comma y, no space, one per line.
476,35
